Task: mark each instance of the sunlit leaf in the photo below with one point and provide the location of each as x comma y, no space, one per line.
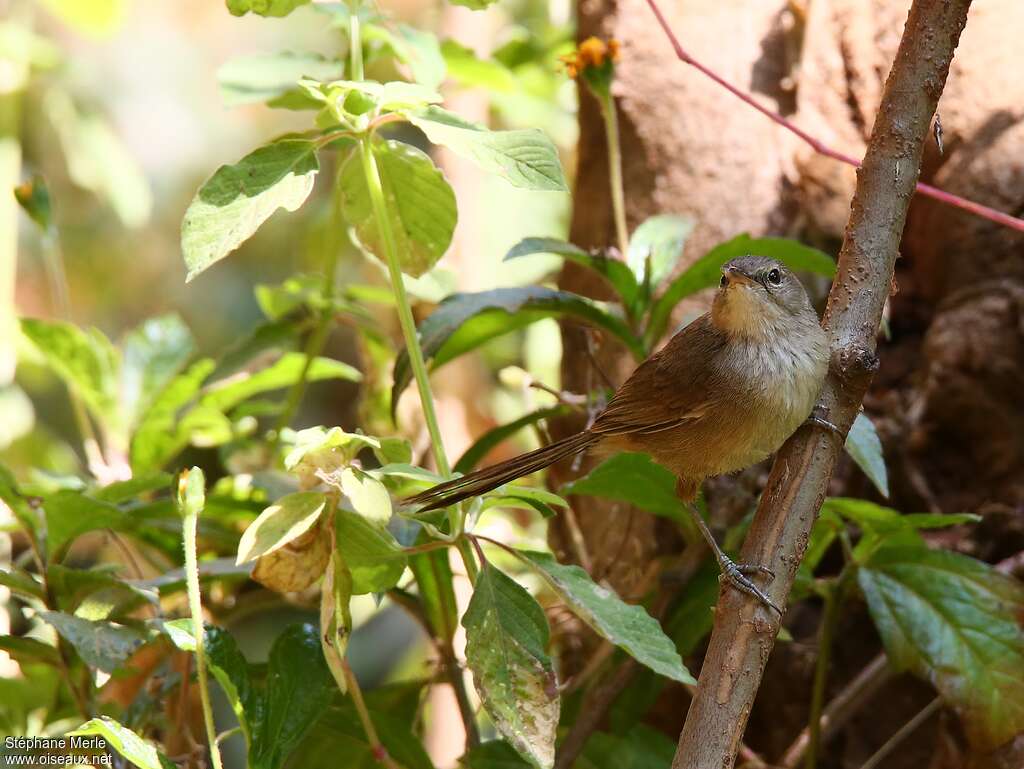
264,7
627,626
863,445
228,393
660,239
71,513
285,520
463,322
27,651
101,644
371,553
419,204
416,48
524,158
127,743
506,640
154,352
238,198
466,69
954,621
336,617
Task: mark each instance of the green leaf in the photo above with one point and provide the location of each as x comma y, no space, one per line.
416,48
483,445
21,582
18,504
299,687
954,621
419,203
71,513
322,449
640,748
463,322
154,353
27,651
706,271
615,271
476,5
284,372
124,491
692,618
370,551
465,68
73,588
336,618
367,496
160,433
263,7
288,518
661,239
103,645
127,743
633,478
883,520
864,447
627,626
524,158
506,640
238,198
86,361
269,77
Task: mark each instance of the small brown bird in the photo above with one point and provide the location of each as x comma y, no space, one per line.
723,394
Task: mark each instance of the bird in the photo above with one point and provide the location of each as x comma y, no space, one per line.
724,393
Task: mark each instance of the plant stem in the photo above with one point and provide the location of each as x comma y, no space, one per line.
380,753
466,551
904,731
195,603
833,603
611,132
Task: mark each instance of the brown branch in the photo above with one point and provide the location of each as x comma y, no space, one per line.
820,147
744,631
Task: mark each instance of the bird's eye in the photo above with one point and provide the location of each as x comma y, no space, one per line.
723,281
774,277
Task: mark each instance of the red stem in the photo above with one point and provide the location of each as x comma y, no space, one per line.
925,189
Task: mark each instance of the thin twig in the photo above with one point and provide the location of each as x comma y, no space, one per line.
843,706
905,731
380,753
820,147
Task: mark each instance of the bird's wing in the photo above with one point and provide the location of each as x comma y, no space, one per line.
677,384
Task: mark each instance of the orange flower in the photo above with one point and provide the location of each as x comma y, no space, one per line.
593,53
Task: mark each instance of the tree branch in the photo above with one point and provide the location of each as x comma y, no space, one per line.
820,147
744,631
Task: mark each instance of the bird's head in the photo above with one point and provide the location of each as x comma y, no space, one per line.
760,297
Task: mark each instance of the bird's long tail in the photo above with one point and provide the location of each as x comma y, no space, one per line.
474,484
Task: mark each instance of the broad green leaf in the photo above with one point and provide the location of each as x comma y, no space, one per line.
154,353
706,271
466,69
864,447
127,743
125,491
228,666
869,516
86,361
99,586
524,158
285,371
273,78
483,445
285,520
21,582
632,478
393,451
954,621
323,449
463,322
615,271
419,204
264,7
71,513
299,687
26,650
160,433
390,96
525,498
660,239
506,640
416,48
97,159
627,626
103,645
640,748
370,551
493,754
366,495
238,198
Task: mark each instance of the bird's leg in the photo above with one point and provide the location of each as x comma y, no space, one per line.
817,417
735,574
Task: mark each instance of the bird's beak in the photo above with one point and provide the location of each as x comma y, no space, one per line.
736,276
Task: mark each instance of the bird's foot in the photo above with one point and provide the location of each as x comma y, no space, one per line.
738,576
817,417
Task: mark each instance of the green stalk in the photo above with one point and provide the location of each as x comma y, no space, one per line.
191,500
826,632
611,132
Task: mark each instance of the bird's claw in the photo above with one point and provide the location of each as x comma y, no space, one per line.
816,418
736,575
